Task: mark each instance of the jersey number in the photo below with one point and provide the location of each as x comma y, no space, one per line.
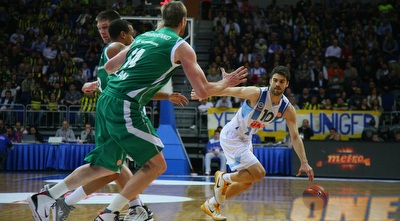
131,62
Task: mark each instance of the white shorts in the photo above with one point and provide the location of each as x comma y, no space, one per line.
237,151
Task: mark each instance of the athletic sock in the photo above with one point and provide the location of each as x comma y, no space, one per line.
227,177
76,196
58,190
118,203
212,201
135,202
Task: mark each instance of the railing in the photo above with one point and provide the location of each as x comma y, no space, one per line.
42,117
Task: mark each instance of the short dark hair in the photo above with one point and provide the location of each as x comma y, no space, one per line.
115,28
109,14
172,13
281,70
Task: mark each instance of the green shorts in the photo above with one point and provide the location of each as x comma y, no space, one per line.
122,128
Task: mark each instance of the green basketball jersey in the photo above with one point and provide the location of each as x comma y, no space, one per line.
148,66
102,74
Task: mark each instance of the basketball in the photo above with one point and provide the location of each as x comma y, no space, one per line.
315,197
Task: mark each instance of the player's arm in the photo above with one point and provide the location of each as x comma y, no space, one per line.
115,63
251,93
90,87
185,55
114,48
290,116
175,98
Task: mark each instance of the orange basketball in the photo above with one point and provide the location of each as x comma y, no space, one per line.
315,197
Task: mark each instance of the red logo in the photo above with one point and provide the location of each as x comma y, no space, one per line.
346,158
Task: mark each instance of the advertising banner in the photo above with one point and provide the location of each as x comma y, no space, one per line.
348,123
352,159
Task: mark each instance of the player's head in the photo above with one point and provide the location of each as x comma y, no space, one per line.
121,31
279,79
104,19
174,15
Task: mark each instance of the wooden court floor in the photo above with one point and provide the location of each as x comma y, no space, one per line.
178,198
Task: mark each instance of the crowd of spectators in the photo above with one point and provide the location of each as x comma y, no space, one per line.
342,56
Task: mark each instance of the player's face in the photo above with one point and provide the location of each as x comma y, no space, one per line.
102,27
278,84
129,39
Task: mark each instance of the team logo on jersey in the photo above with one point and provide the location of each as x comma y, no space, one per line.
279,114
260,105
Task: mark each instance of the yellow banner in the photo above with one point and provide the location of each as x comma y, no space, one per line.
348,123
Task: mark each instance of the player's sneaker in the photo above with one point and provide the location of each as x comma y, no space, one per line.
220,187
212,210
107,216
40,205
136,213
46,187
61,210
148,210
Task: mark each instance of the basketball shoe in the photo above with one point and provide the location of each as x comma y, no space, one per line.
212,210
107,216
40,204
220,187
148,210
137,213
61,210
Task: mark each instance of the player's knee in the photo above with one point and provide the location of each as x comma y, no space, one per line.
259,174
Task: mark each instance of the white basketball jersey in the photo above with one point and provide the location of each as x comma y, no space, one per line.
248,119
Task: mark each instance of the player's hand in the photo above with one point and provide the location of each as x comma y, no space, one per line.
236,77
89,87
179,99
306,169
194,96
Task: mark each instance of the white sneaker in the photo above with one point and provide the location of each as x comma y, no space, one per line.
220,187
138,213
212,210
207,173
40,204
107,216
61,210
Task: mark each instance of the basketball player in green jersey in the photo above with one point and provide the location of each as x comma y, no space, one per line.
119,119
121,34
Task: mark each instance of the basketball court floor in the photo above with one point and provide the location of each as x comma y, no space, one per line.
178,198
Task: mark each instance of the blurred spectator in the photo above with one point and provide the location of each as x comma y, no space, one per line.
397,136
376,138
355,100
11,134
214,150
331,135
19,131
36,108
87,108
293,102
72,97
333,52
364,105
87,135
368,131
304,97
65,132
213,74
27,86
327,104
33,130
305,130
394,128
256,73
6,106
9,87
320,81
340,104
313,104
224,102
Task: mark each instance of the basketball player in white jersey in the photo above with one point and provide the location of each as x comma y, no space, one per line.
262,107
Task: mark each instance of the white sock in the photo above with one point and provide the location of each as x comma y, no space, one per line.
76,196
58,190
118,203
212,201
227,177
135,202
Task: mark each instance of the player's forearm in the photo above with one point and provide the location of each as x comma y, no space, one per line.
161,96
299,149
